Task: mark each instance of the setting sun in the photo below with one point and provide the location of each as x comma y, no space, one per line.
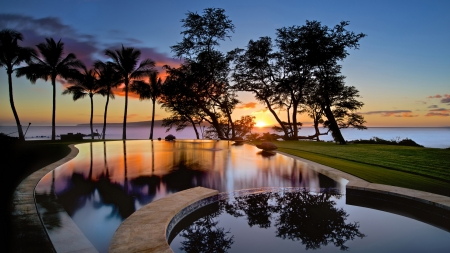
260,124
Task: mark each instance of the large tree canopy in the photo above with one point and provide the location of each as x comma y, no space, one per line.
203,77
301,73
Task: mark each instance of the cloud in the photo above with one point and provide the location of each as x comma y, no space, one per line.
441,112
249,105
260,111
421,102
433,106
394,113
35,30
84,46
445,98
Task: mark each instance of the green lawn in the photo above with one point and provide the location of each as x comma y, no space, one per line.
425,169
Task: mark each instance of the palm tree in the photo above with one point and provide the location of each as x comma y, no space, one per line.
151,90
108,78
11,54
126,63
85,84
52,65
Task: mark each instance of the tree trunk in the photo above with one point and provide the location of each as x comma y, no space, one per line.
153,119
104,117
277,118
13,107
54,107
335,131
195,128
92,115
230,120
124,133
294,119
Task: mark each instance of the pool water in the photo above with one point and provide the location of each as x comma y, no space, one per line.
299,220
108,181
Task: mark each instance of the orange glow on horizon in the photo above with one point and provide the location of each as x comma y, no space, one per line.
260,123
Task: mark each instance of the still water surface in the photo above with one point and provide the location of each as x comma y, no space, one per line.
302,221
108,181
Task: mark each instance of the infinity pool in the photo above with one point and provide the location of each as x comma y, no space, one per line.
108,181
300,220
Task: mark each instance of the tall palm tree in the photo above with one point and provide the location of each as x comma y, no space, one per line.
11,54
85,84
150,90
50,66
126,63
108,78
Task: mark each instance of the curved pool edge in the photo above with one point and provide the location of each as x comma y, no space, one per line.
145,230
356,183
25,207
136,234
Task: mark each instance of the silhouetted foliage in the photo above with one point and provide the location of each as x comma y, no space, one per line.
311,218
127,64
85,84
203,77
108,78
150,90
12,55
303,75
205,236
377,140
50,65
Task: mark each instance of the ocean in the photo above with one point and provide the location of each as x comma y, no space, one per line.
438,137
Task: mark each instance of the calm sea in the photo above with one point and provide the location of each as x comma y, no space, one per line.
428,137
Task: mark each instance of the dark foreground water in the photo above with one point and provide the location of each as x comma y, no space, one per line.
108,181
302,221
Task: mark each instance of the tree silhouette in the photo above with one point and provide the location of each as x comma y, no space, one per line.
11,55
204,73
50,66
205,236
108,78
255,207
85,84
126,62
150,90
303,61
313,219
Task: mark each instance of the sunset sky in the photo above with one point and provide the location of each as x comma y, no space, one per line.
402,68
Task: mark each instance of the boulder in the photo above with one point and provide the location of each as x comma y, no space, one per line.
170,138
267,146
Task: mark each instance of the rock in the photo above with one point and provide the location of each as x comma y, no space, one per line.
267,146
170,138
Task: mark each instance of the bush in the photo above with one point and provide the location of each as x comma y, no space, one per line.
376,140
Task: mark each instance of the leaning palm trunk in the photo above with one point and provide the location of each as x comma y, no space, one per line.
13,107
54,107
153,119
104,117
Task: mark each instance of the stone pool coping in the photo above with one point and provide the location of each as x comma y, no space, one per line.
68,239
72,239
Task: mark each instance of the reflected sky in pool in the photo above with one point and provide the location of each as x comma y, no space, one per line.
108,181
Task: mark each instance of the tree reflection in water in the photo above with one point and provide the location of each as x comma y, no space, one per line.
205,236
311,218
